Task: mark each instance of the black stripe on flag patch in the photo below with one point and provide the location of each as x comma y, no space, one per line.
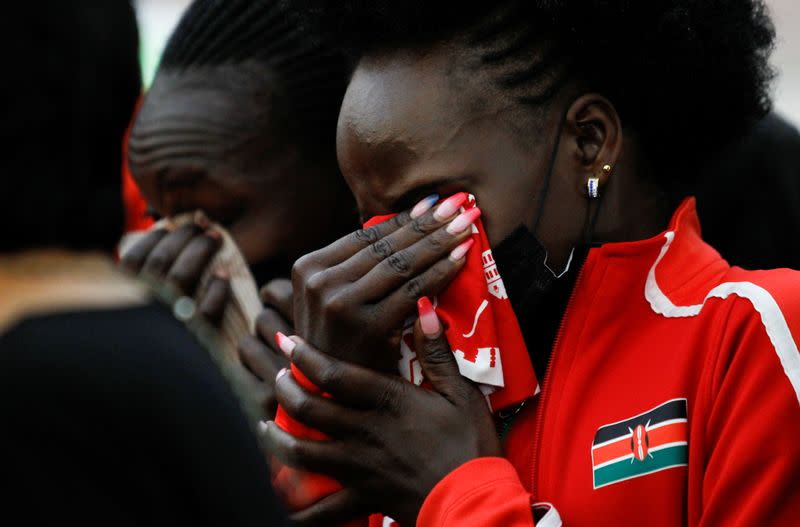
670,410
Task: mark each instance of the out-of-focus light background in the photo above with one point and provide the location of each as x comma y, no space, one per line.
157,18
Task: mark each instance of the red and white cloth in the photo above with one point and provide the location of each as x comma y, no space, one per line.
485,337
481,328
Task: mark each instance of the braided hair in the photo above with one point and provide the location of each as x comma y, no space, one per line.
686,76
304,73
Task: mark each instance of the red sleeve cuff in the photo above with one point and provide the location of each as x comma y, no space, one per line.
483,492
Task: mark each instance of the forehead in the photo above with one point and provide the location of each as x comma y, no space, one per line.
222,97
412,118
203,116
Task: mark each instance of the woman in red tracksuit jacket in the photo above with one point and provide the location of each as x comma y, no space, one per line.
671,381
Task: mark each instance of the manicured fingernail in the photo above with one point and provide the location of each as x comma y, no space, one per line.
286,344
214,235
424,206
428,320
464,221
201,220
222,274
450,206
459,252
281,373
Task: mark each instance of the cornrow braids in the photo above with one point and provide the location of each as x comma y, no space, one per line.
687,76
305,73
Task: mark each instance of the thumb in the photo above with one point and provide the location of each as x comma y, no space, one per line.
433,351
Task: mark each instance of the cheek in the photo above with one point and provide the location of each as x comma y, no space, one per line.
506,191
498,219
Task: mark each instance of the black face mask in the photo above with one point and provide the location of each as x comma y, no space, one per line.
522,261
538,295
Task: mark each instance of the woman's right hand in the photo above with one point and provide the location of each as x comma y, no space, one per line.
180,256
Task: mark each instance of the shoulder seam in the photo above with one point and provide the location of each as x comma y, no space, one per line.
760,299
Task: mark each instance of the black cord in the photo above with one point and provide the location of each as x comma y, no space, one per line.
553,155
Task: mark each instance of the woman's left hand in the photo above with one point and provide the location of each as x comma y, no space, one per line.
353,296
391,442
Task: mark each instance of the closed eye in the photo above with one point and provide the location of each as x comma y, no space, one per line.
443,187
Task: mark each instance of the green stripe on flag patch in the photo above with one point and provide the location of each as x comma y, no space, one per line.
622,470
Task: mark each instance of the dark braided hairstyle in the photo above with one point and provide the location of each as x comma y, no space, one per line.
685,75
305,74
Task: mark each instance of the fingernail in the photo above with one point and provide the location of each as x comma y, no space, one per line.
286,344
281,373
459,252
424,206
450,206
222,274
201,220
428,320
464,220
214,234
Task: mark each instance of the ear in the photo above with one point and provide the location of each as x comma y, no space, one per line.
597,136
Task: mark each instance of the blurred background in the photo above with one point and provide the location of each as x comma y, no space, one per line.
158,17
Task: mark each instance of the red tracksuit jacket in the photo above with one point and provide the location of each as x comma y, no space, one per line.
672,399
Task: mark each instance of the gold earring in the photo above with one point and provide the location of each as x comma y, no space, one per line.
593,183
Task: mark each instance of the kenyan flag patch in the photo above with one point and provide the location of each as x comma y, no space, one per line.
650,442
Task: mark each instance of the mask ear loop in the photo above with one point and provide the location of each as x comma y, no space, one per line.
546,189
550,170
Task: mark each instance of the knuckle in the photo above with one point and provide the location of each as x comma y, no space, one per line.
382,249
366,236
439,353
302,266
336,305
439,272
424,224
399,263
413,289
317,283
435,241
400,219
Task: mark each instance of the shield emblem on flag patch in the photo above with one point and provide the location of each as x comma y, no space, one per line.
652,441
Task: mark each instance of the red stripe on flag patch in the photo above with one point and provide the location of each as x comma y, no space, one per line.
660,435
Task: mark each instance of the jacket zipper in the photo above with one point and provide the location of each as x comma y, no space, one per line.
546,381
